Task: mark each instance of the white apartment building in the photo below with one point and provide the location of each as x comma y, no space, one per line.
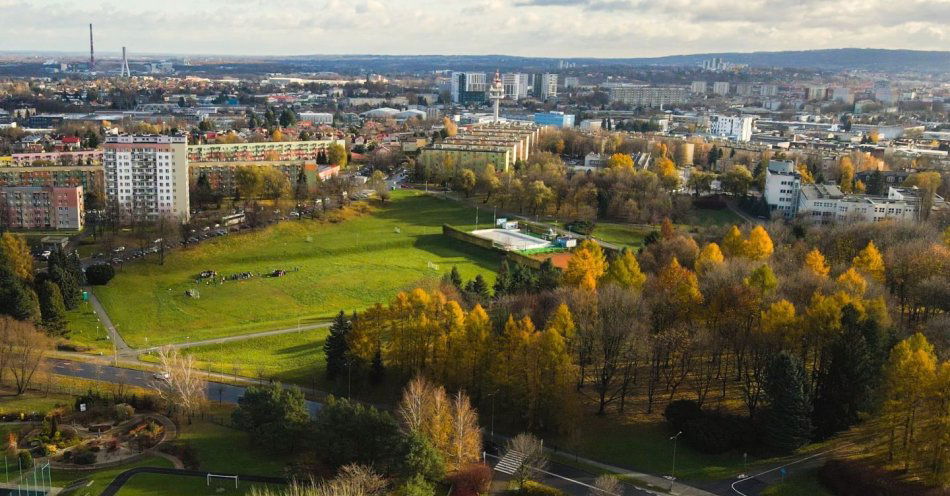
515,85
783,185
317,118
827,204
147,175
736,128
698,87
842,94
768,90
572,82
744,89
469,87
648,96
544,85
721,87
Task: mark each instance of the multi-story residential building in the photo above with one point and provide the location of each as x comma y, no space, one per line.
515,85
469,88
883,92
721,87
737,128
467,155
556,119
816,92
782,187
263,151
89,177
572,82
744,89
698,87
81,157
544,86
147,175
768,90
317,118
842,94
42,207
648,96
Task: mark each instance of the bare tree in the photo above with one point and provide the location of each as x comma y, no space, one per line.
532,451
183,388
26,348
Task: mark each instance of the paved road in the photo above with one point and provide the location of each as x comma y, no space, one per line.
113,488
216,391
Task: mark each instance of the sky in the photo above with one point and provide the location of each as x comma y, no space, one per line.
543,28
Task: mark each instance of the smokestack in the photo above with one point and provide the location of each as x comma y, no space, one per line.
125,66
92,53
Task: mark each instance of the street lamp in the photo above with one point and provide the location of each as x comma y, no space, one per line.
673,474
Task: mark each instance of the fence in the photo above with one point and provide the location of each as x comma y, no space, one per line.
472,239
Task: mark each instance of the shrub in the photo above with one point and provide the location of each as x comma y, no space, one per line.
124,411
584,227
183,451
532,488
417,485
25,459
680,412
84,457
471,480
99,274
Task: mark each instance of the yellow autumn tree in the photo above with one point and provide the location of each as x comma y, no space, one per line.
852,282
860,187
733,245
815,262
620,161
451,128
908,380
759,245
586,265
666,171
805,174
625,272
709,257
15,253
870,262
846,174
780,323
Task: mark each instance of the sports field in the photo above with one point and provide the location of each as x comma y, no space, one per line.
347,265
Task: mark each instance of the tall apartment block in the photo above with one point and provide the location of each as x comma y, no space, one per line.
42,207
147,175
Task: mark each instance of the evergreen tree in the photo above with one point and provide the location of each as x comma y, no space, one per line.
786,422
17,299
844,388
72,295
503,279
336,346
549,276
272,415
52,308
455,278
301,192
377,371
479,288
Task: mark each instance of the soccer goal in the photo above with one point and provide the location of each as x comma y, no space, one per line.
432,266
219,476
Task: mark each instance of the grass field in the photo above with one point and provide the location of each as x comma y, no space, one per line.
343,266
713,217
291,358
85,329
101,478
621,234
31,401
170,485
226,450
802,483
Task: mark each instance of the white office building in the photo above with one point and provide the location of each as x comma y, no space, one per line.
469,87
515,85
782,187
827,204
147,175
736,128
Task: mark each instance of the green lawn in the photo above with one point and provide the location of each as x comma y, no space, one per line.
102,478
226,450
85,329
171,485
646,447
802,483
713,217
31,401
621,234
291,358
348,265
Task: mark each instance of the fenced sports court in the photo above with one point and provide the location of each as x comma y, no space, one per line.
510,240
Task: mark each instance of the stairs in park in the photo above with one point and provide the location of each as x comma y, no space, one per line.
511,462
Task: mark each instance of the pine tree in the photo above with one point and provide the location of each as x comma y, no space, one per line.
17,299
786,422
455,278
549,276
503,279
52,308
844,388
377,371
479,288
68,286
336,346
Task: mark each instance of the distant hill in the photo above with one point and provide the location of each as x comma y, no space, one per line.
872,59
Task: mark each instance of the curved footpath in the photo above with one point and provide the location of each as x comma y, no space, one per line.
113,488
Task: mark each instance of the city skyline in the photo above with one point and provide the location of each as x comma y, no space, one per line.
565,28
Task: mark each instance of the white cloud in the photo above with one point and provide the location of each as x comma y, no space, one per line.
556,28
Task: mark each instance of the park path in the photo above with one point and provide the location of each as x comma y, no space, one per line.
120,345
239,337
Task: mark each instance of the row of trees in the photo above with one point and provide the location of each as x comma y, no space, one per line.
434,435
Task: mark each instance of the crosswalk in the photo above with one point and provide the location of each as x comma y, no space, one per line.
511,462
